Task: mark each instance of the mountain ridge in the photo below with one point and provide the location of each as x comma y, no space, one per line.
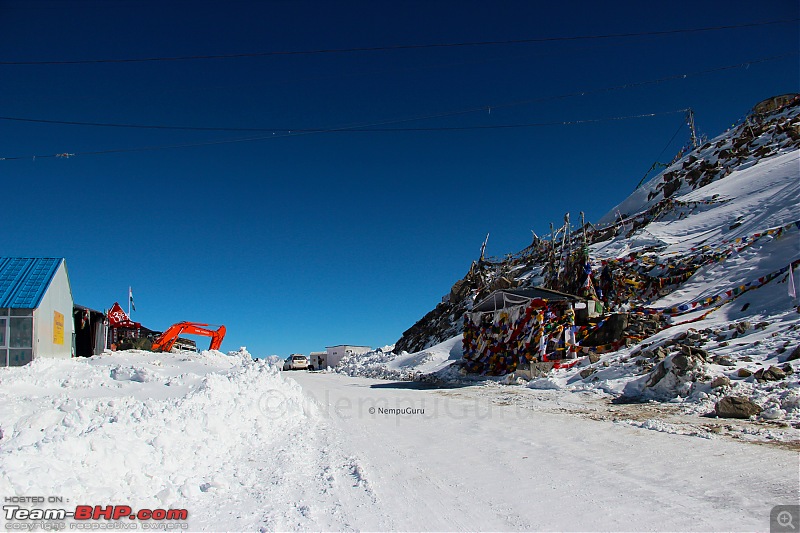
684,190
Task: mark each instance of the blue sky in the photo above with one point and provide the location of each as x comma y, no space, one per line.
297,242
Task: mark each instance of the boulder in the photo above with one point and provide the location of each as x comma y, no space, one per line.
772,373
594,357
736,407
743,373
795,354
724,360
682,362
657,375
586,372
720,381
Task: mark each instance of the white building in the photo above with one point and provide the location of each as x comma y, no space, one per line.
318,360
36,310
334,354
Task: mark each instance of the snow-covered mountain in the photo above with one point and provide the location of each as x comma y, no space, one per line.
700,257
713,204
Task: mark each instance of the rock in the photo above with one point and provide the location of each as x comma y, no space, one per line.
788,369
586,372
762,325
594,357
742,327
682,362
724,360
772,373
720,381
795,354
743,373
670,187
657,375
736,407
724,344
746,359
693,351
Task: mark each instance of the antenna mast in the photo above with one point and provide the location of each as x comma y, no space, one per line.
690,122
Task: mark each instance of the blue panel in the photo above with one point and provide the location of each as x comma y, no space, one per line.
24,280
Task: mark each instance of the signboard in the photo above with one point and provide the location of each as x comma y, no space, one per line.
117,318
58,328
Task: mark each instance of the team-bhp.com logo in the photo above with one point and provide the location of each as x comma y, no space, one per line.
85,516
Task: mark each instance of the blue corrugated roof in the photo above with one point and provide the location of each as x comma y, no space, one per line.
24,280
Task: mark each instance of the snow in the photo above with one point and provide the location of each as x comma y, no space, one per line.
404,441
244,447
729,215
226,437
387,365
476,461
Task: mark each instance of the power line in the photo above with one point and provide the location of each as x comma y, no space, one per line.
373,126
404,46
351,129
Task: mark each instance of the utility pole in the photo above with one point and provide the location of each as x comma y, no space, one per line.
583,228
690,122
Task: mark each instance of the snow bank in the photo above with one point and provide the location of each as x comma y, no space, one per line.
384,364
163,431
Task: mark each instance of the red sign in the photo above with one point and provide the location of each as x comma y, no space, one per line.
117,318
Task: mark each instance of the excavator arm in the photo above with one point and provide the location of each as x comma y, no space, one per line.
166,341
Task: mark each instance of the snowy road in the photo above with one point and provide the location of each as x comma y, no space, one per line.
467,463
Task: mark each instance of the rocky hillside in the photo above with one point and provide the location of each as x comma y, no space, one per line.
642,270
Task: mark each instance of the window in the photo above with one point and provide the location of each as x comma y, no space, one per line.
20,333
16,337
20,357
3,337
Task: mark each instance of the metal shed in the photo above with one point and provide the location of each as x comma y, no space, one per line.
36,310
504,298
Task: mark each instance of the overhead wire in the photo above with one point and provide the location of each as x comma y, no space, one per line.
373,126
351,129
403,46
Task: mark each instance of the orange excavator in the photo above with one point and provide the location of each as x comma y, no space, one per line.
167,339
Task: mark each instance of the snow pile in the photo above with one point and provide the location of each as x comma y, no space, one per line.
167,431
384,364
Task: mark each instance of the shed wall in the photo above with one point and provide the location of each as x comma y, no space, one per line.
57,299
335,353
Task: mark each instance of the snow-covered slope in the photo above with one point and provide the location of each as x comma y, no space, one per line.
387,364
226,437
735,186
707,244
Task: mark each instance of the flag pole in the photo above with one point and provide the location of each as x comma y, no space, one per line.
129,300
